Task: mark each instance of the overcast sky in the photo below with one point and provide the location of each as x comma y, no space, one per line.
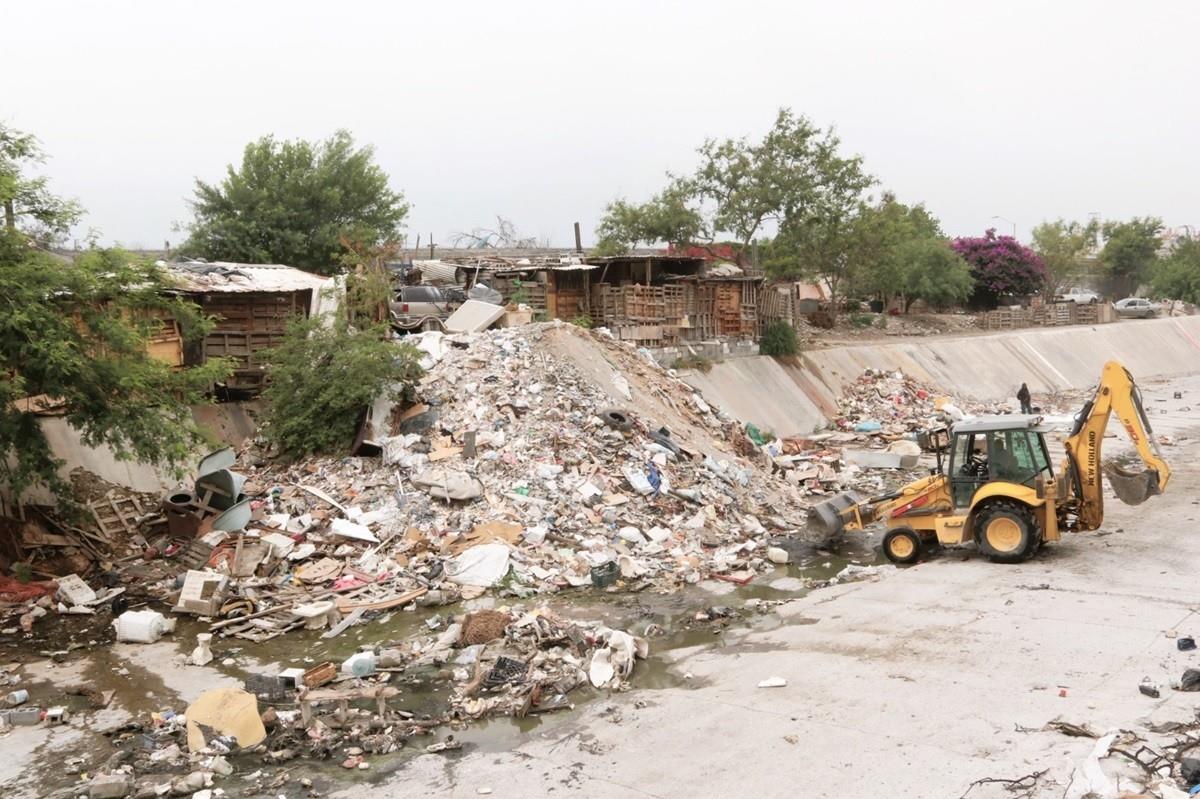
544,111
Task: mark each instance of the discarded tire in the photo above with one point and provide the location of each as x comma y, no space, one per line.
616,419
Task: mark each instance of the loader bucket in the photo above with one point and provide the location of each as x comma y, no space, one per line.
826,518
1131,487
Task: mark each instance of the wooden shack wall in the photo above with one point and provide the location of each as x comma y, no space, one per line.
246,324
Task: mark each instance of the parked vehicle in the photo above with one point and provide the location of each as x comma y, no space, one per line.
1080,296
1136,308
423,307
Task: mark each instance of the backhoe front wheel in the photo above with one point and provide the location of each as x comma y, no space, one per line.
902,545
1006,532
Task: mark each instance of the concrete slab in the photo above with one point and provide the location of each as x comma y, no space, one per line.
473,316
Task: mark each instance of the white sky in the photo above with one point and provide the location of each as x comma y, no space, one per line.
544,111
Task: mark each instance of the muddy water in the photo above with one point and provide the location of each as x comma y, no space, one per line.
674,614
147,678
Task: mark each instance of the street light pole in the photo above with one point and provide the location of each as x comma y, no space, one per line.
1009,221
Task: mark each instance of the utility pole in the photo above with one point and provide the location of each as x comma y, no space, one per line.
431,246
578,239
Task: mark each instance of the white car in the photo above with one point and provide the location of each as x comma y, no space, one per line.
1080,297
1136,307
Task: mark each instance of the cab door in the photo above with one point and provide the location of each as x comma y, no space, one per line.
968,467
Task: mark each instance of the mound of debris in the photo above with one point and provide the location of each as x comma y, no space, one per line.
538,459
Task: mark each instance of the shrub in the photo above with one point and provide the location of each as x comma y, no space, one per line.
323,377
583,320
779,338
861,321
520,295
697,362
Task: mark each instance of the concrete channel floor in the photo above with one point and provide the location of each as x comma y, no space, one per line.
913,685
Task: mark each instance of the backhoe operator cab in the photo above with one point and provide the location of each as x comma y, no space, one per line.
994,483
1000,448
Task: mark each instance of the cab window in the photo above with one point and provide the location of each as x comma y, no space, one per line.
1015,457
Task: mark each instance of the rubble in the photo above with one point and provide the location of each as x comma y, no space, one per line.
536,460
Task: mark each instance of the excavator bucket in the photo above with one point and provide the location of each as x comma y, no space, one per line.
1131,487
828,518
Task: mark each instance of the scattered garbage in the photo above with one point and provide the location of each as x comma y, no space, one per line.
512,474
1185,643
1190,681
229,712
143,626
1149,688
202,655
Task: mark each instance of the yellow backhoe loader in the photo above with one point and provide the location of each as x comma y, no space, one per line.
994,483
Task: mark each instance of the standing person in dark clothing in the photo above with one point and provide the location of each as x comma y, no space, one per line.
1024,398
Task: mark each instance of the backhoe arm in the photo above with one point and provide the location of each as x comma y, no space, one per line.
1117,393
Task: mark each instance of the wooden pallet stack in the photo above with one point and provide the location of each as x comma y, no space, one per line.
1046,315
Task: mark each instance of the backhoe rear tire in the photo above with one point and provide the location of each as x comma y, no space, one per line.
1006,532
902,545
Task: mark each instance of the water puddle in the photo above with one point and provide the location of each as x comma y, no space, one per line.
668,620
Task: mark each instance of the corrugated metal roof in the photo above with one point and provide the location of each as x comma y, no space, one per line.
225,276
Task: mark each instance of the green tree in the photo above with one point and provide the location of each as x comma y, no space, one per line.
667,217
1130,252
1177,276
929,269
326,372
77,334
323,376
1064,247
779,339
882,230
794,177
28,202
824,231
75,337
292,202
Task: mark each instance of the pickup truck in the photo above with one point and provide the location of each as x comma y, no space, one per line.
417,308
1079,297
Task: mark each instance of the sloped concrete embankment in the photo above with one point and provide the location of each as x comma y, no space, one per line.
796,396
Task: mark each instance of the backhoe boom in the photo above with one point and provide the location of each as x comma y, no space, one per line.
1116,393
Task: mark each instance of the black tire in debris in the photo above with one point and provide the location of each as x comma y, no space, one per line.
616,419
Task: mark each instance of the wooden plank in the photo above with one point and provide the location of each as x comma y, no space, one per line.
345,606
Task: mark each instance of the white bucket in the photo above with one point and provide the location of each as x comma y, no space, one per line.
143,626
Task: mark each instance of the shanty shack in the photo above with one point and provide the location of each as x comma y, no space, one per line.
654,300
252,305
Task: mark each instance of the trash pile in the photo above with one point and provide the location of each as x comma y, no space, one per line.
875,429
500,664
536,460
526,467
515,471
